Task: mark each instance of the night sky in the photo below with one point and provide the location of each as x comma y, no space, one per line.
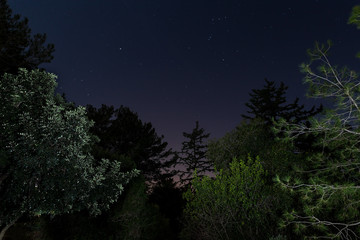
177,61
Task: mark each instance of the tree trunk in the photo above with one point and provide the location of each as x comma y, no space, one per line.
3,231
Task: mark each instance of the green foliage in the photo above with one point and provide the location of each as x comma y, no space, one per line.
192,155
47,168
256,139
132,217
355,16
355,19
18,48
233,205
123,136
327,183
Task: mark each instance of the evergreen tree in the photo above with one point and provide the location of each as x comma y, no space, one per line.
269,104
121,132
327,183
18,48
193,155
355,19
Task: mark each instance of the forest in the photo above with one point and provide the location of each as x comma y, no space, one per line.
80,172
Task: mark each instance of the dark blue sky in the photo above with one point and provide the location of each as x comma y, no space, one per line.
178,61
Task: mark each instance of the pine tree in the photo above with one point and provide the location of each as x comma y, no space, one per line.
18,48
327,183
269,104
122,132
192,156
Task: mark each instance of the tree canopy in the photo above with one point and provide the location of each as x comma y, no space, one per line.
45,166
122,132
233,205
252,138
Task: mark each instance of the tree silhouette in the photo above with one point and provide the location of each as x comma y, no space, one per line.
121,132
192,155
269,104
18,48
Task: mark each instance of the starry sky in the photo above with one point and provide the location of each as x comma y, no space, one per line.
175,62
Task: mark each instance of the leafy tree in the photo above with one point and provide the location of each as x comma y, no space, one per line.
121,136
233,205
252,138
45,165
18,48
328,182
269,105
122,132
192,155
132,217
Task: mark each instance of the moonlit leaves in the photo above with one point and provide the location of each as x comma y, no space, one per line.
51,170
229,203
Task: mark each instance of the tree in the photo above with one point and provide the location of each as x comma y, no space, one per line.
233,205
355,16
192,155
121,135
139,218
45,165
355,19
268,104
18,48
122,132
168,196
252,138
328,182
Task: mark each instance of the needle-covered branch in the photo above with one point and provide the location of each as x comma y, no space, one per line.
327,183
